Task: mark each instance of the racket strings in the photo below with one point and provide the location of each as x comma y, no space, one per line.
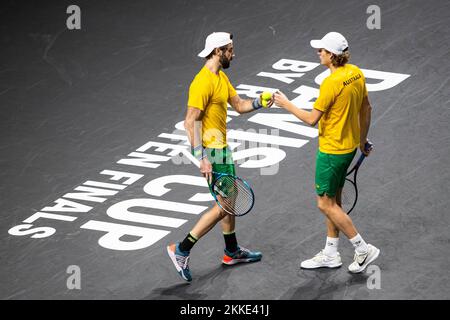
233,195
348,196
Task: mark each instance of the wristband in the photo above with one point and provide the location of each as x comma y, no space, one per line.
199,152
256,105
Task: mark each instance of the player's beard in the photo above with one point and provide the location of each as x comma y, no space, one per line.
225,63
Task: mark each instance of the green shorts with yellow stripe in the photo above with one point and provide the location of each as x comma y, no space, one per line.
221,160
331,170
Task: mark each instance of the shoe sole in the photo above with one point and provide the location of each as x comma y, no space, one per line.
174,261
329,267
233,262
369,262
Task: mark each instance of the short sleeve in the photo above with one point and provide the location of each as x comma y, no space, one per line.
326,97
366,93
199,95
231,91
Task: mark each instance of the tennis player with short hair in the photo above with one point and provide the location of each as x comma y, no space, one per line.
343,112
205,125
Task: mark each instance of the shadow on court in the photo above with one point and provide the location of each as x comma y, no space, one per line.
216,278
324,284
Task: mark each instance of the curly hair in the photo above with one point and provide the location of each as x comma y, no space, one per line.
341,59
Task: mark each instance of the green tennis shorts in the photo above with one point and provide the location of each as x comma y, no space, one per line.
331,170
221,160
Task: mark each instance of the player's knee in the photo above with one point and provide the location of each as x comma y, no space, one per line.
323,205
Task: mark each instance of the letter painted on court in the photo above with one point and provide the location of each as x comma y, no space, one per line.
90,194
140,159
284,122
118,175
266,138
283,77
157,187
271,156
46,215
145,237
307,97
64,205
296,66
37,233
121,211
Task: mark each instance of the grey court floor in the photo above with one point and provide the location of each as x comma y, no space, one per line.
78,105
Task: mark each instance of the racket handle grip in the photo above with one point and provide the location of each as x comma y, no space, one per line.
368,146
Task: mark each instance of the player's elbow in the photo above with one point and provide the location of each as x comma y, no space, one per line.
366,106
238,107
313,117
188,124
313,121
366,112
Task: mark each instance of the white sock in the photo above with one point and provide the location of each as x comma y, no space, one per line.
359,244
331,247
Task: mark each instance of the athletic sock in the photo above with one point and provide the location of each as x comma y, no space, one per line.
331,247
230,241
359,244
188,242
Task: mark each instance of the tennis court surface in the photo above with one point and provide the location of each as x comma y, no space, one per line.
80,106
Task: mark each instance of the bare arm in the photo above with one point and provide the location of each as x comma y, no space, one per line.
245,105
365,115
309,117
193,126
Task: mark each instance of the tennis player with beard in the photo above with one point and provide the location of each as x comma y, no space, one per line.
206,125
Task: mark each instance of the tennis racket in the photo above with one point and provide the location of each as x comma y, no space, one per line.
233,194
349,195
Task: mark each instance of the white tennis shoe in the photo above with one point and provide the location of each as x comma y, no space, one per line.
321,260
361,261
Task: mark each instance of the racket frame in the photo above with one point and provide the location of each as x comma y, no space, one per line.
368,146
217,176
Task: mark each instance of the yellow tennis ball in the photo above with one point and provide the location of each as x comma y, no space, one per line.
266,96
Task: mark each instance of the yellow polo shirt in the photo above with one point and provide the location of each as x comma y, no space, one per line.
340,99
210,93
